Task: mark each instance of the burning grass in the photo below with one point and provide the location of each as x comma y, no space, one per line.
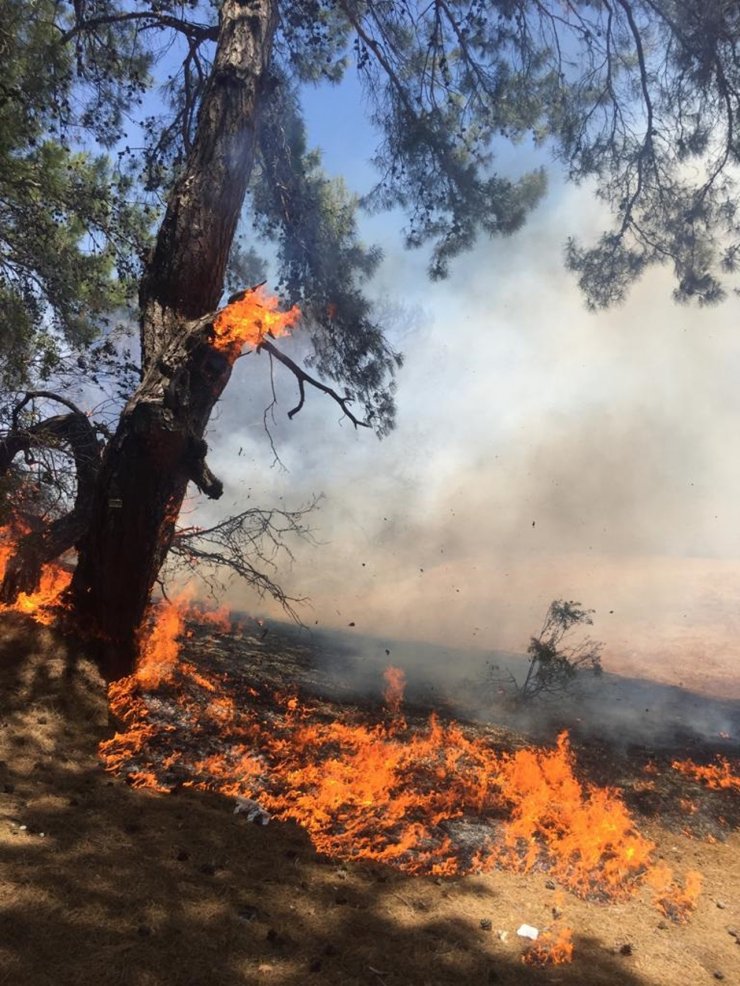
719,776
137,887
552,948
426,799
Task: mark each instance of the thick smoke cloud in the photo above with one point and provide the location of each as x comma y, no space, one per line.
541,452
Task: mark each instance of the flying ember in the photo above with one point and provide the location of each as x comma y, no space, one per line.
426,799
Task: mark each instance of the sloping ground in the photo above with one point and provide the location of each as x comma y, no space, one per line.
133,887
612,706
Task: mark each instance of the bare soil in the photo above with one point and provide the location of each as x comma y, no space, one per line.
103,884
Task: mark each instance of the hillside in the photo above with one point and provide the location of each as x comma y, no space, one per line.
103,883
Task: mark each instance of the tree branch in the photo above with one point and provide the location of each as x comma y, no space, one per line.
647,143
304,378
23,571
238,544
152,19
200,473
48,395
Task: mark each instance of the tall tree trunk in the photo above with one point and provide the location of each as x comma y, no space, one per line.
158,446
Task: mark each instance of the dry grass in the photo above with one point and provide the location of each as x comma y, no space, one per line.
130,887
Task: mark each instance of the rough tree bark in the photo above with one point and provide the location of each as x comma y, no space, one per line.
158,446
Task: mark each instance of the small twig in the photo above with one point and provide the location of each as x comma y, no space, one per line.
269,411
163,590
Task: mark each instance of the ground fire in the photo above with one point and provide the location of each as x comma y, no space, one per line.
554,947
424,798
54,580
718,776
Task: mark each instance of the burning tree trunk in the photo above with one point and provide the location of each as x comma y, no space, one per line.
158,446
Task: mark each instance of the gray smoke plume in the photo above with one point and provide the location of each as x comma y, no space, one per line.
542,452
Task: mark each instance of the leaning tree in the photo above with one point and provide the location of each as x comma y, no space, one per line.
637,97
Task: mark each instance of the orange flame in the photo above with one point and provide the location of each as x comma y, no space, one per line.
587,832
395,683
674,901
248,320
551,948
158,655
384,791
54,580
159,648
720,776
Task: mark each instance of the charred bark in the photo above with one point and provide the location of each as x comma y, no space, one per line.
156,451
158,446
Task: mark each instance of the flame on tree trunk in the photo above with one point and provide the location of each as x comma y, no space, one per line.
158,446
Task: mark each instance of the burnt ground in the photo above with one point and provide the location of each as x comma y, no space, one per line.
129,886
623,710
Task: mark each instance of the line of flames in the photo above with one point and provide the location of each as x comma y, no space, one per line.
718,776
387,792
382,790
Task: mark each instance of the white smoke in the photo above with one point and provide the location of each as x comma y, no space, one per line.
541,452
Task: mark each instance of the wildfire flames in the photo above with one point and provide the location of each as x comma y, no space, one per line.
248,320
551,948
718,776
54,580
395,682
673,901
427,800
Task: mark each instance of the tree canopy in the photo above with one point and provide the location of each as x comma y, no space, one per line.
637,96
70,229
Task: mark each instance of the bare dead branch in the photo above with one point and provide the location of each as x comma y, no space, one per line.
147,19
245,545
304,378
269,412
48,395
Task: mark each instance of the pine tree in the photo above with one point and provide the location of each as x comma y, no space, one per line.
627,93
